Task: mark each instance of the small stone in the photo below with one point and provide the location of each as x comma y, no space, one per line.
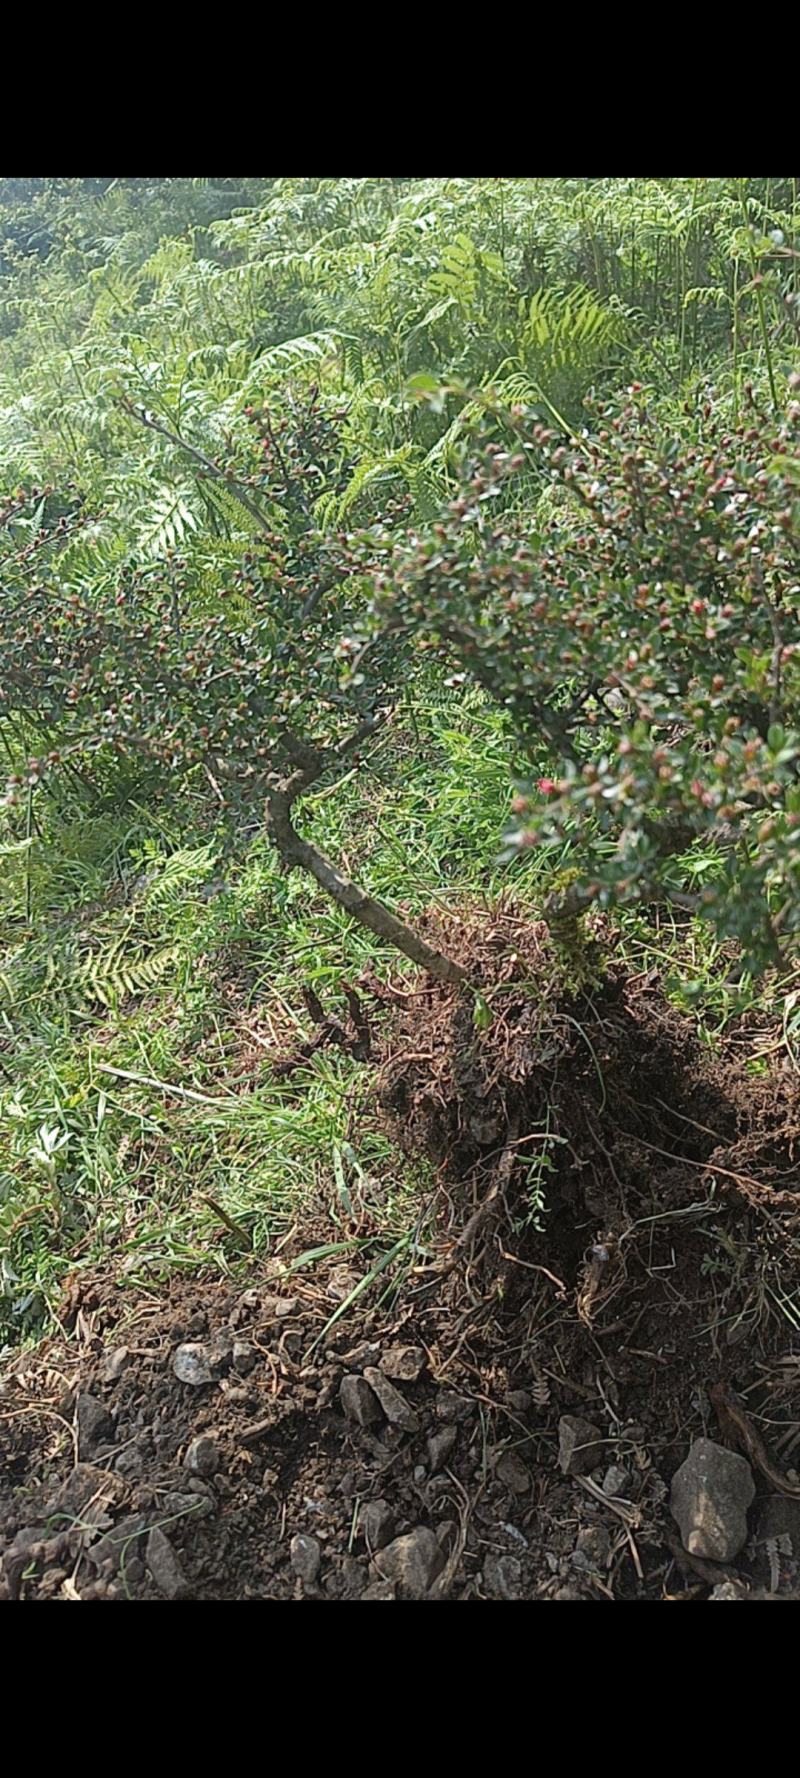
616,1481
729,1589
119,1546
244,1357
379,1589
592,1550
359,1402
93,1423
342,1281
112,1364
404,1364
165,1567
580,1445
709,1499
280,1307
519,1400
305,1555
377,1524
202,1456
191,1365
87,1493
511,1471
453,1407
395,1407
367,1352
219,1351
419,1473
189,1506
502,1576
440,1444
411,1563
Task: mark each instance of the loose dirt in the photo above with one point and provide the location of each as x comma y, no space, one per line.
612,1236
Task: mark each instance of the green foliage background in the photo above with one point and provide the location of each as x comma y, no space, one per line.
136,935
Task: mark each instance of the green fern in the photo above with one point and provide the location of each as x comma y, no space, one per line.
112,975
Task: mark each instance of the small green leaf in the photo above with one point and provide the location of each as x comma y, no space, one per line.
482,1016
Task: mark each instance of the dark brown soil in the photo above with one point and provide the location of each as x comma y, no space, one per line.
664,1260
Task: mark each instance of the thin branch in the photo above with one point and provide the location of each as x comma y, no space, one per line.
207,463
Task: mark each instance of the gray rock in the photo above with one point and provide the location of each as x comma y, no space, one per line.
219,1351
377,1524
591,1552
189,1506
93,1422
411,1563
395,1407
191,1365
112,1364
404,1364
305,1555
617,1481
244,1357
440,1444
165,1567
280,1307
502,1576
342,1281
511,1471
454,1408
119,1546
359,1402
729,1589
379,1589
580,1445
366,1352
709,1498
519,1400
202,1456
87,1493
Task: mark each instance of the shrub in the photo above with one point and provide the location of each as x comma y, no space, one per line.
648,632
241,674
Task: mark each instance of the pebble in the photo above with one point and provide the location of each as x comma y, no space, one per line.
404,1364
112,1364
710,1495
728,1589
616,1481
519,1400
592,1550
395,1407
440,1444
87,1493
165,1567
191,1365
379,1589
511,1471
92,1421
502,1576
280,1306
244,1357
580,1445
305,1555
377,1524
202,1456
411,1563
359,1402
453,1407
119,1546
